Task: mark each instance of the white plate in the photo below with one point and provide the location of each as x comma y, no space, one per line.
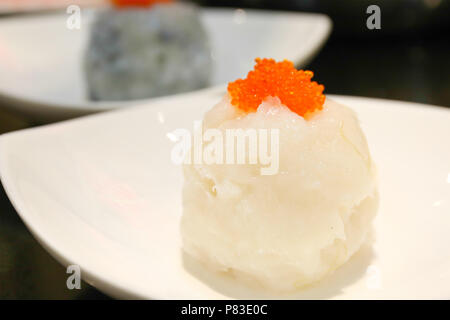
19,6
101,192
40,65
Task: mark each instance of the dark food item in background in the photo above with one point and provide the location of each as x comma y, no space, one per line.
141,52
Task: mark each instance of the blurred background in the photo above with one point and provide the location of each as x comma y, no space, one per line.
407,59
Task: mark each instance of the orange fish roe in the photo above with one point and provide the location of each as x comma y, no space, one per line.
293,87
137,3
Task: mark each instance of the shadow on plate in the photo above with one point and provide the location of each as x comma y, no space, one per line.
327,288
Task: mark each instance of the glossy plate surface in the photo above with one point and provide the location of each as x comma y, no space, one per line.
102,192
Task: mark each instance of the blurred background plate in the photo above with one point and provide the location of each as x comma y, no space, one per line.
40,58
21,6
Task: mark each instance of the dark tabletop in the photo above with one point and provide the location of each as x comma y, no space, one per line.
391,64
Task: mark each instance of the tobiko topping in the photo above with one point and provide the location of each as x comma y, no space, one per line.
293,87
137,3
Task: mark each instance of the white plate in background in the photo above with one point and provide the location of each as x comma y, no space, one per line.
28,6
101,192
40,66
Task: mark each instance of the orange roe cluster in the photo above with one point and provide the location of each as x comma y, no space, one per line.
293,87
137,3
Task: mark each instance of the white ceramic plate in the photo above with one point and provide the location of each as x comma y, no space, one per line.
20,6
40,65
101,192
